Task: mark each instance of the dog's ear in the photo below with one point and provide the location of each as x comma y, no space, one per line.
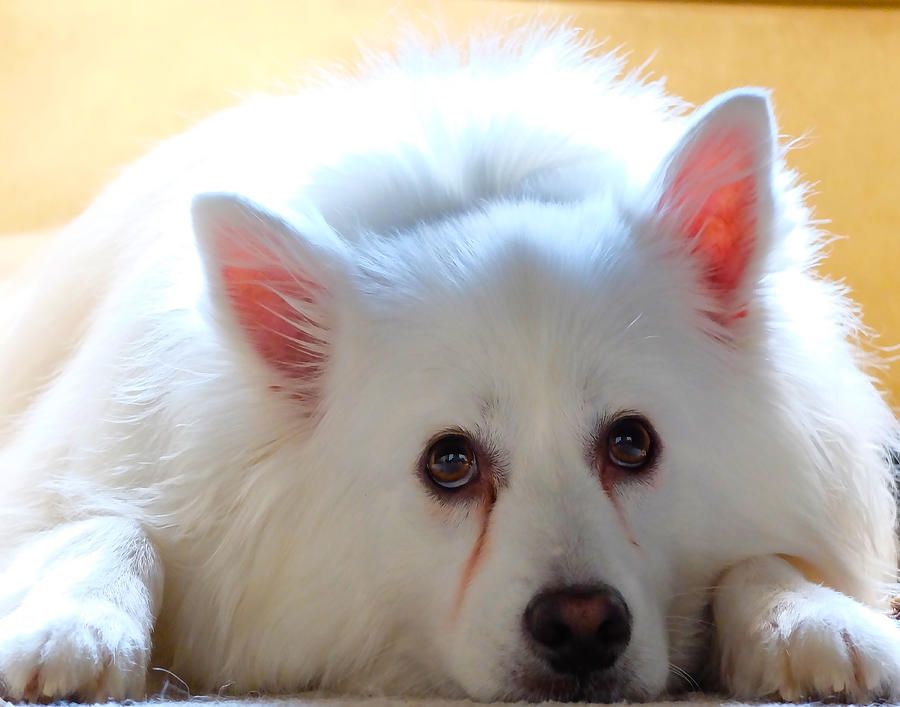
270,285
713,194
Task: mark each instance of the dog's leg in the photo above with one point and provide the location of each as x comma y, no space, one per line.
780,635
77,606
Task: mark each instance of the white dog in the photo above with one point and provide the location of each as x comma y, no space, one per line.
488,374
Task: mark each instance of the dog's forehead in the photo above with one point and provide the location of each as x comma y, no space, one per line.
527,270
523,321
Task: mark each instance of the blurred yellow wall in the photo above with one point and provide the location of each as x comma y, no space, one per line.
89,85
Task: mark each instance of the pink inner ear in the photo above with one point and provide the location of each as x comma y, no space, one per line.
265,298
720,220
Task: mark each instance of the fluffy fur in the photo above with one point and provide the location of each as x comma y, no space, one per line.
213,409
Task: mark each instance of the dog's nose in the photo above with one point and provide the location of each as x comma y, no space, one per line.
579,629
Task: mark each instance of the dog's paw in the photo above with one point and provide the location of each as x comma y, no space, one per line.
91,652
807,644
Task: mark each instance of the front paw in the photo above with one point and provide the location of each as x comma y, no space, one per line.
91,652
805,644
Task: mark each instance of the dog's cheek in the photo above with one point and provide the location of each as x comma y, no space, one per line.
645,583
480,631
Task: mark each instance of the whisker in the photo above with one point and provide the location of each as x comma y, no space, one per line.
684,675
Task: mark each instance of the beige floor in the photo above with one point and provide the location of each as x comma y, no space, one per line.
335,701
332,701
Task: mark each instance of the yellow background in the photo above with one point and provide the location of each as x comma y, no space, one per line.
89,85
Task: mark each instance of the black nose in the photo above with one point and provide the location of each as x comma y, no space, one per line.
579,629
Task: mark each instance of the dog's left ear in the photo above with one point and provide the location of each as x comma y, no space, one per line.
713,193
272,287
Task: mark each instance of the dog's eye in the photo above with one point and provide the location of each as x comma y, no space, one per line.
630,443
451,462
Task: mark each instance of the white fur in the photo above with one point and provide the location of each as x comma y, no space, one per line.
781,635
80,622
484,224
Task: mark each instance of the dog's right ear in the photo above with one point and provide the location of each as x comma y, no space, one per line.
270,285
714,196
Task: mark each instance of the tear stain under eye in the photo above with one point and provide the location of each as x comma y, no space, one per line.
620,514
597,462
477,553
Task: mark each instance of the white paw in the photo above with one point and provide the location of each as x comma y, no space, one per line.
90,651
815,644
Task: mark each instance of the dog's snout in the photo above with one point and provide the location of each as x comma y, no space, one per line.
579,629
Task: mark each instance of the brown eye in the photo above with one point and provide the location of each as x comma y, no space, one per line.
451,462
630,443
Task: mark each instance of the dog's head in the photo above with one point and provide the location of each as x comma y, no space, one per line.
532,418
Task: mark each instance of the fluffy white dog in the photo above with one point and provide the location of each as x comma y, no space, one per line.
489,374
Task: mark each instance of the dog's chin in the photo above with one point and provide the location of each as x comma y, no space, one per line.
612,685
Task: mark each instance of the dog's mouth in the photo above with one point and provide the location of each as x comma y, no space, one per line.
604,686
